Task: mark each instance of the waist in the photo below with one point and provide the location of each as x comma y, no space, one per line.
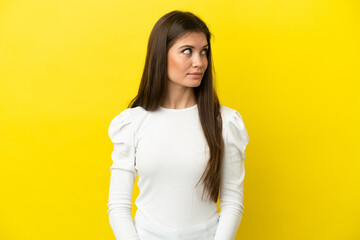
151,230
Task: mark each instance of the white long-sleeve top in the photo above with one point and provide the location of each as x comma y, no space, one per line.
168,149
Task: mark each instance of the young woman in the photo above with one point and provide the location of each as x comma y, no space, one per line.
187,148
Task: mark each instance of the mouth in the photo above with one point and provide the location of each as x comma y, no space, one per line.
195,75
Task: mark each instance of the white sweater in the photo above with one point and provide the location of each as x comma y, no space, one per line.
168,149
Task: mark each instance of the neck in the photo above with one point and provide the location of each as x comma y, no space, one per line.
178,96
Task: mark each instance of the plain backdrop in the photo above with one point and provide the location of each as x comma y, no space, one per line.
290,68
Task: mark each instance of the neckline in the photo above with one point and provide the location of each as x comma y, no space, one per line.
178,109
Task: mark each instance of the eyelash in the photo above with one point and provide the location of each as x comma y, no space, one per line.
206,50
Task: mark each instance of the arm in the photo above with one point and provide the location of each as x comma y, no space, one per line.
119,206
231,197
232,177
123,175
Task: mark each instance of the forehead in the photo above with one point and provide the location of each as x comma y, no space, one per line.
192,38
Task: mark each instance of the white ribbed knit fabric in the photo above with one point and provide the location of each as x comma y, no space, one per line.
168,149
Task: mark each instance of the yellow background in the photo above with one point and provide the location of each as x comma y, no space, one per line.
291,68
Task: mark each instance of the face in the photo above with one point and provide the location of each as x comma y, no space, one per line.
186,58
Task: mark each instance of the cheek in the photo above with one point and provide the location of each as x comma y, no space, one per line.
177,64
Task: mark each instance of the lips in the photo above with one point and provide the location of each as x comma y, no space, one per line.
195,73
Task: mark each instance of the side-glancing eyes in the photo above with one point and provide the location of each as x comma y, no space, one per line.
205,50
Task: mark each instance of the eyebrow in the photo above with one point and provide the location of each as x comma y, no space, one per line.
192,46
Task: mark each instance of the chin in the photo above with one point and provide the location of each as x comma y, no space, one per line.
193,85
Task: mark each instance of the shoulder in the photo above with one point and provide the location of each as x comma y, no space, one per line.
234,131
125,121
230,115
128,115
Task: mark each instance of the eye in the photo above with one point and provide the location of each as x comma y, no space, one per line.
186,50
205,51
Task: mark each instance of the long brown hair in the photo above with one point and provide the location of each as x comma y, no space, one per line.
154,81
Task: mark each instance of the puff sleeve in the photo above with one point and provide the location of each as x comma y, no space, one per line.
232,175
123,175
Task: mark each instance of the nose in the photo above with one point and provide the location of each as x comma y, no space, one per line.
198,61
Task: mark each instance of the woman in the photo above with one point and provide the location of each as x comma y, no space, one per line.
185,145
